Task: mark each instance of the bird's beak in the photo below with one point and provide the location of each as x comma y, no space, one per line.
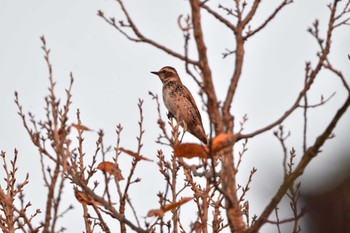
155,72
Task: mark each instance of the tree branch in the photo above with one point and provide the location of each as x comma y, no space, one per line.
313,75
213,107
310,153
271,17
313,150
251,13
139,35
219,17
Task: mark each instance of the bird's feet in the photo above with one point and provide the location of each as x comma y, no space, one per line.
170,115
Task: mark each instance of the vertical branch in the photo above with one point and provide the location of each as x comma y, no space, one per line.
305,123
174,169
294,197
86,219
57,201
164,170
80,171
239,52
233,210
132,170
117,153
57,142
227,172
186,34
279,134
213,106
199,197
278,220
307,70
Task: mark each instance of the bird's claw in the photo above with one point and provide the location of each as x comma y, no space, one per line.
170,115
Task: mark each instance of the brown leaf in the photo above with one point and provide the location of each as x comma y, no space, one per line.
84,199
198,227
222,141
190,150
155,212
176,204
81,127
135,155
161,212
112,169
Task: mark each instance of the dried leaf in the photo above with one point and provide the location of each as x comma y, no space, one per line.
135,155
112,169
84,199
176,204
198,227
190,150
222,141
156,212
171,206
81,127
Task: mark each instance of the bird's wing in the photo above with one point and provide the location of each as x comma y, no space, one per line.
193,102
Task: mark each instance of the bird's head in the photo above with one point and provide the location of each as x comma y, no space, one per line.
166,74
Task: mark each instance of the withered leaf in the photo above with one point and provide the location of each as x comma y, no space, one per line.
177,204
190,150
171,206
155,212
198,227
134,154
112,169
80,127
222,141
84,199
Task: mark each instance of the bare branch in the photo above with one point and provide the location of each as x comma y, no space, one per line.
213,110
186,34
345,10
268,20
282,137
139,36
313,150
287,220
219,17
247,188
338,73
322,102
228,53
251,13
211,179
313,75
310,153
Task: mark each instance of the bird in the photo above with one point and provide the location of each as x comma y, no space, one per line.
180,103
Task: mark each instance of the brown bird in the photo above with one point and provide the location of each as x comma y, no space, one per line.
180,103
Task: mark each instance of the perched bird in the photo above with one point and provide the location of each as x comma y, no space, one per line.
180,103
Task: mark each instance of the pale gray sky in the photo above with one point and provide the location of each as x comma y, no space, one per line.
111,73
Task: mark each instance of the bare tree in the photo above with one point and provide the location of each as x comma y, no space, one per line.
99,184
237,17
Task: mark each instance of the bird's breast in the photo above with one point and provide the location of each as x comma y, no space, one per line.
170,99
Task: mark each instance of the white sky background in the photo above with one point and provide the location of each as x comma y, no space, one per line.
111,73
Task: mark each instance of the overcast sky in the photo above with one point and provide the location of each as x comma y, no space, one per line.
111,73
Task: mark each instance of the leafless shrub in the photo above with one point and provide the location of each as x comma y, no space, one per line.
14,210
